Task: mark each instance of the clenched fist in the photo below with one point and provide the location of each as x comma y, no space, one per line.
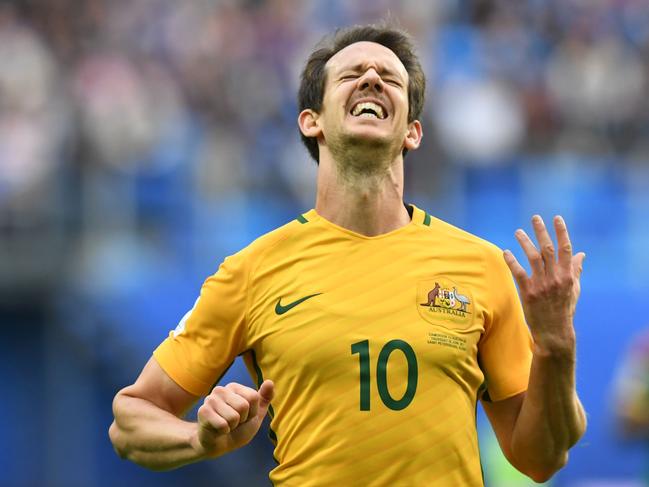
230,417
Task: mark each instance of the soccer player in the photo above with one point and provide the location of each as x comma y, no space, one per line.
379,325
632,394
632,390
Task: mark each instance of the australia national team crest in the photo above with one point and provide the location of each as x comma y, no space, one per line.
441,301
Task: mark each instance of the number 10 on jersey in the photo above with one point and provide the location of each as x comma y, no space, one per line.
363,351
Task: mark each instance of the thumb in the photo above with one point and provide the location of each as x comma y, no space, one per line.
578,263
266,394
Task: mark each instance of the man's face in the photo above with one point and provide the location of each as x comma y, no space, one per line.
366,97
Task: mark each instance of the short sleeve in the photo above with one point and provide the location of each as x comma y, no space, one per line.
212,333
505,349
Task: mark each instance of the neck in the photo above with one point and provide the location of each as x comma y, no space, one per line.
369,202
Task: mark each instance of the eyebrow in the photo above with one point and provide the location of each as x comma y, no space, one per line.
357,68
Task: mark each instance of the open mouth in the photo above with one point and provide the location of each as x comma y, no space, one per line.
368,109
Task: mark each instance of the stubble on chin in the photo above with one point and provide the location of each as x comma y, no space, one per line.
362,157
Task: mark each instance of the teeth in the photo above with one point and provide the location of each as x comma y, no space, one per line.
368,105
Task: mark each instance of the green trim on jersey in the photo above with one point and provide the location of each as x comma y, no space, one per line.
302,220
260,376
427,220
260,379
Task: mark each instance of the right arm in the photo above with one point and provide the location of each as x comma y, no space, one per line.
149,430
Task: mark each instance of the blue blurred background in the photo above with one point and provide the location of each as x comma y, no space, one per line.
142,141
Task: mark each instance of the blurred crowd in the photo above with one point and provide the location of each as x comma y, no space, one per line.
186,102
141,141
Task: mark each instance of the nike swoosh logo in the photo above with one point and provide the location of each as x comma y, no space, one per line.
280,310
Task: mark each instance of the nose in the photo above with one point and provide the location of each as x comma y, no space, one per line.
370,80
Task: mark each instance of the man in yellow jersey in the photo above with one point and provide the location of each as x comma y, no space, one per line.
379,325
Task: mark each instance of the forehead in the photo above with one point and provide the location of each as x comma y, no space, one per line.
365,55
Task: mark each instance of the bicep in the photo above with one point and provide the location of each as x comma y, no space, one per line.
503,415
155,385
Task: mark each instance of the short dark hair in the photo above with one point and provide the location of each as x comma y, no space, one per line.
312,81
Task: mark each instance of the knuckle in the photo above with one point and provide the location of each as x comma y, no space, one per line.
532,294
254,397
521,278
548,248
220,424
218,390
202,411
536,258
237,400
233,419
560,281
567,281
240,391
211,401
567,247
244,393
539,292
243,408
244,414
251,396
209,420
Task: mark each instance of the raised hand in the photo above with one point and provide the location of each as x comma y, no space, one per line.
549,296
230,417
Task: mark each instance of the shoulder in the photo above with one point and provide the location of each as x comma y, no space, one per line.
457,237
275,238
258,248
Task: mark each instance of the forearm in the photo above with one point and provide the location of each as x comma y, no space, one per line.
150,436
551,419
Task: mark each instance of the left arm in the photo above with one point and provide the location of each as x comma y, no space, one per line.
537,428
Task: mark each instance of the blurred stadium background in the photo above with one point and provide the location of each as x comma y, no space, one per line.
143,141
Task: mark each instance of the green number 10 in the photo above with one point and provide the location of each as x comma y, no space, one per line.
363,351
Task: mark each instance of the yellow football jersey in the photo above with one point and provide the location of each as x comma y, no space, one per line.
379,347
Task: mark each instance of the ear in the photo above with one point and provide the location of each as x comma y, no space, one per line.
413,136
307,120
